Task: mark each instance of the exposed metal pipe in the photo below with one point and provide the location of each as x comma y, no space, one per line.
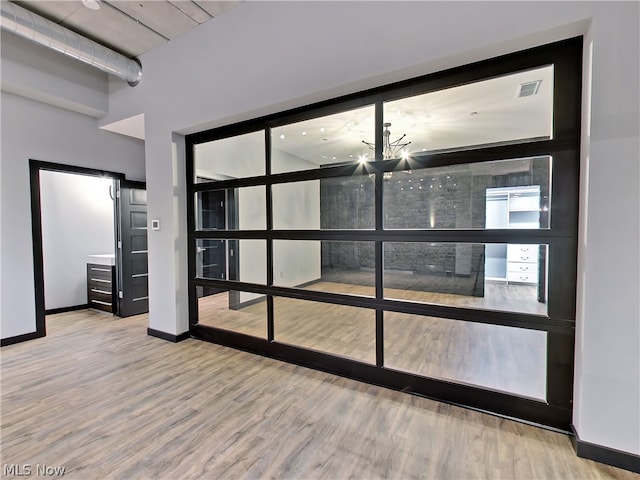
22,22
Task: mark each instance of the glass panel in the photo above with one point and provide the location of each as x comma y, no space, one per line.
501,194
241,312
492,356
328,203
324,141
231,209
239,260
501,277
336,329
326,266
503,109
234,157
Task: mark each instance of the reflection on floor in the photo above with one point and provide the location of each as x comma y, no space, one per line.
496,357
509,297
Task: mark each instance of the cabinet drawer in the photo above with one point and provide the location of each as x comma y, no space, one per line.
99,271
99,283
522,277
99,293
522,267
522,253
101,305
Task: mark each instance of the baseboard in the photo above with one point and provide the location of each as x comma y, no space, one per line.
248,303
53,311
168,336
20,338
606,455
309,283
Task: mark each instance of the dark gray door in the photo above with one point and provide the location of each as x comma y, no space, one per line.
211,259
133,274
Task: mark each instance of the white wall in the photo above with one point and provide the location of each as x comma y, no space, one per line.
607,369
295,206
33,130
35,72
77,220
343,47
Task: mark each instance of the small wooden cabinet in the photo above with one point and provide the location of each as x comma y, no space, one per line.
101,292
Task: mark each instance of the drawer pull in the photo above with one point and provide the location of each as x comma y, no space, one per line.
100,280
100,291
524,258
523,278
524,269
101,302
101,269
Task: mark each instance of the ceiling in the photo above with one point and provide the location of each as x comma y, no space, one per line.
130,27
482,113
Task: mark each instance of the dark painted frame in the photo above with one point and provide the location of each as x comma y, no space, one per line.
559,323
122,183
606,455
35,166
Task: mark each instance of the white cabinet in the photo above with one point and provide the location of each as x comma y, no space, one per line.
522,263
511,208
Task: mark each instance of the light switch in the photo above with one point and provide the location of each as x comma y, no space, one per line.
155,224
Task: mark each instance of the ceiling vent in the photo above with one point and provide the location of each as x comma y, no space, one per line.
528,89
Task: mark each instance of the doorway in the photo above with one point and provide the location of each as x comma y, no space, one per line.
77,213
93,237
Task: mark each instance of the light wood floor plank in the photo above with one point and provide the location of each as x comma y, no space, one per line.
101,398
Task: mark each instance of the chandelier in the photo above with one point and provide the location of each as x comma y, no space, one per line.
391,149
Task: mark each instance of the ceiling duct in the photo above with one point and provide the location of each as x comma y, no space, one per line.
26,24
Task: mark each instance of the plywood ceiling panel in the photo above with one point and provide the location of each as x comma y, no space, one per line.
111,27
192,9
55,11
215,8
129,27
162,17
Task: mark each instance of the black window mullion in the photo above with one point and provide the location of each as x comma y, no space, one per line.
268,206
379,227
191,241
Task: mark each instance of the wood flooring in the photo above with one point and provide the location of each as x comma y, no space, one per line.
102,399
500,358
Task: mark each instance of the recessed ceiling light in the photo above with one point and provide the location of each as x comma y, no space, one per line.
304,133
91,4
282,136
322,129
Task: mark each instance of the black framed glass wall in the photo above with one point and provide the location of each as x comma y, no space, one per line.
420,236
